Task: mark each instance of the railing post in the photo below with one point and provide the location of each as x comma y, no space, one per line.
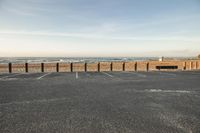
26,67
136,66
71,65
98,66
85,67
147,66
185,65
57,67
42,67
123,66
10,67
111,66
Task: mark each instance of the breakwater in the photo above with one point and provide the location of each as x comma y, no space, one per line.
181,65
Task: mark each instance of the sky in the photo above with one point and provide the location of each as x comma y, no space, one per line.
99,28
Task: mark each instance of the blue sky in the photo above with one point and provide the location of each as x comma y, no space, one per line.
99,27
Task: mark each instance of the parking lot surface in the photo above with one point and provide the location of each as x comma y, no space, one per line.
100,102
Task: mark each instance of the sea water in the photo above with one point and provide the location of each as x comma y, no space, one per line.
71,59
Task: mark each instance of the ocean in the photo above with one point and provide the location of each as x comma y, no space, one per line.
71,59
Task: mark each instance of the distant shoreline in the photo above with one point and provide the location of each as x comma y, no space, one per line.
83,59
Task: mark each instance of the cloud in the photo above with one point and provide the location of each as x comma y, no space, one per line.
38,33
173,53
162,22
17,8
101,36
101,28
19,12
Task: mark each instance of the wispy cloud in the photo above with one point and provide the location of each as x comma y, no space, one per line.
19,12
102,28
17,8
161,20
39,33
101,36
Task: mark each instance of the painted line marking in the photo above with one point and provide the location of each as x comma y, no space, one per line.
170,74
139,74
76,75
107,74
4,74
168,91
34,101
193,73
43,76
124,72
8,79
11,75
158,91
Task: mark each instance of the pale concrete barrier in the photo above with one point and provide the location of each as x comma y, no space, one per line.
180,65
102,66
198,65
130,66
105,66
50,67
194,65
4,68
188,65
92,67
142,66
118,66
64,67
34,68
18,68
78,67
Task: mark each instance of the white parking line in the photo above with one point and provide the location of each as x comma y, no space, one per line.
107,74
34,101
169,74
11,75
197,73
43,76
168,91
76,75
139,74
4,74
158,91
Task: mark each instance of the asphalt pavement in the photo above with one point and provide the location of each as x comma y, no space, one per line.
100,102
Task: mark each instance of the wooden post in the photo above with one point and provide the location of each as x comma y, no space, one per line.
10,67
71,65
136,66
123,66
98,67
42,67
57,67
147,66
111,66
26,67
85,67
